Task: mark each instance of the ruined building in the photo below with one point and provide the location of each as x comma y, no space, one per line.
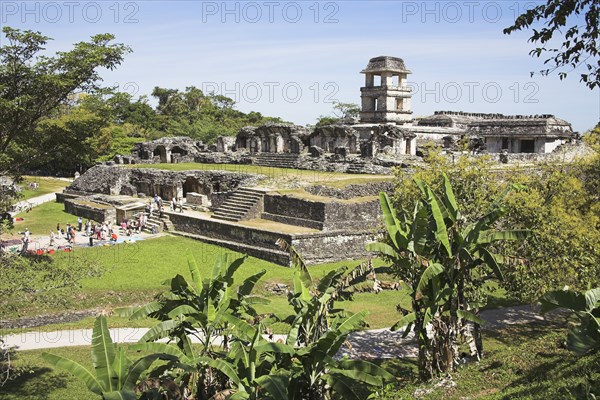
385,134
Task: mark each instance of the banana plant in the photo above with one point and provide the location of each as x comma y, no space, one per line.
115,375
584,338
435,252
201,308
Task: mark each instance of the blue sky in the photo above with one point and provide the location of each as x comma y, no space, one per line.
292,58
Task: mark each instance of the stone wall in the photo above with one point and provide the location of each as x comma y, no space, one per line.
334,246
92,211
322,215
225,231
352,191
314,248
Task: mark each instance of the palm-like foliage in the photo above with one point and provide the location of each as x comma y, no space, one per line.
584,338
249,366
204,309
440,257
115,375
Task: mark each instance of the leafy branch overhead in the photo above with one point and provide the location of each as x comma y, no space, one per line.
577,24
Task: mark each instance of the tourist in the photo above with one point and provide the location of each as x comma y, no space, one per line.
173,204
180,204
51,238
114,237
150,206
69,233
72,235
25,241
58,231
79,223
88,227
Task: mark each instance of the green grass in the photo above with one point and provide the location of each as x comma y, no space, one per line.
43,219
133,273
275,173
522,362
342,183
46,185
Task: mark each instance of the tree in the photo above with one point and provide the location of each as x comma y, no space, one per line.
346,110
340,111
556,203
33,85
580,43
442,258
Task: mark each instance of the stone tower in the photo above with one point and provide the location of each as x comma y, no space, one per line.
385,97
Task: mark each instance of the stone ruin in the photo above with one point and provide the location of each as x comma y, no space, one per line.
164,150
385,135
272,138
208,188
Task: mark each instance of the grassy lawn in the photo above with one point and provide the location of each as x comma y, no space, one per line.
42,219
133,273
523,362
46,185
272,173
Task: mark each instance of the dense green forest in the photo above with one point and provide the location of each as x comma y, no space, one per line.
57,116
95,127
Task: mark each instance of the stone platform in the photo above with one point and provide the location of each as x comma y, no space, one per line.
258,238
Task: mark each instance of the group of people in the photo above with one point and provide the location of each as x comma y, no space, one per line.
98,231
156,203
105,230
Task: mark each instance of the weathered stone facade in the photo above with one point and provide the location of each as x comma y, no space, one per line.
272,138
540,134
91,210
330,137
115,180
326,215
388,100
164,150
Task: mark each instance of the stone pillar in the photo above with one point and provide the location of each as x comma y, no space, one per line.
386,79
369,80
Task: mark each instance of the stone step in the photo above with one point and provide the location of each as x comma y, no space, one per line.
228,211
238,205
274,255
234,208
240,201
245,195
279,160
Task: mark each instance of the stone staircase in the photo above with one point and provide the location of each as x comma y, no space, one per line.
244,203
357,167
161,224
278,160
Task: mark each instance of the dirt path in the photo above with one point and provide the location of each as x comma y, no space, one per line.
377,343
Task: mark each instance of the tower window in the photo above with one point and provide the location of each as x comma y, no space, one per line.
399,103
